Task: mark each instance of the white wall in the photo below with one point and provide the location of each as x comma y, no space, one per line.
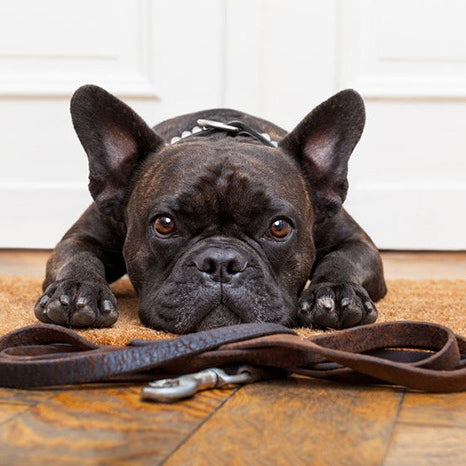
274,58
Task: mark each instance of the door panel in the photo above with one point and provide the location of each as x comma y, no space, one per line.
272,58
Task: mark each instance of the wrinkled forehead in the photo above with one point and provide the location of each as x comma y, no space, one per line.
216,177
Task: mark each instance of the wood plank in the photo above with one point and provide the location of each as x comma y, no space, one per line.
23,261
13,402
427,445
424,265
434,409
99,425
431,429
296,421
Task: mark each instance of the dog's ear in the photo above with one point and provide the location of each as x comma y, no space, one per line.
322,143
115,139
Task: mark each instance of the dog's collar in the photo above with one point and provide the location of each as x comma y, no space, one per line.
233,128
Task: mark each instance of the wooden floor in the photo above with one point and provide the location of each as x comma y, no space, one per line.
292,421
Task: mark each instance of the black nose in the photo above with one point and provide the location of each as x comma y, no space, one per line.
221,264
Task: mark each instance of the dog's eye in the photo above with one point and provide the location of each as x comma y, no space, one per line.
164,225
280,228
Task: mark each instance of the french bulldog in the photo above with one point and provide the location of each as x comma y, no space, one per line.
218,217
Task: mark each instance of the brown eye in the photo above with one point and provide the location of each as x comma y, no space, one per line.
164,225
280,228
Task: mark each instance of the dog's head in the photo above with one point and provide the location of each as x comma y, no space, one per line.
219,228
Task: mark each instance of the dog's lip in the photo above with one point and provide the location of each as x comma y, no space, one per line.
221,301
236,312
218,299
227,312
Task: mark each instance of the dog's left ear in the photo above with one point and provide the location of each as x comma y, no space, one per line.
116,140
322,144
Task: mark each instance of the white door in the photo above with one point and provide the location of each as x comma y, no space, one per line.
274,58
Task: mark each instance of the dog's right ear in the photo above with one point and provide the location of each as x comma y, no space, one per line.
116,140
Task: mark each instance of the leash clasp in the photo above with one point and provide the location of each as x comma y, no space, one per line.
184,386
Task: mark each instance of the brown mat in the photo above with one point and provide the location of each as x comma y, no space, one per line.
439,301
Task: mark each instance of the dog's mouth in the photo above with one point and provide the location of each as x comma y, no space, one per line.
213,308
183,308
220,316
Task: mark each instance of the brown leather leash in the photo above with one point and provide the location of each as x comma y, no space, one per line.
417,355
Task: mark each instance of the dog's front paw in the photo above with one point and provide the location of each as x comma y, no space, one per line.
77,304
330,305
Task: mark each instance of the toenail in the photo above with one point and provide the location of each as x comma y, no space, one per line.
81,302
44,300
65,299
107,306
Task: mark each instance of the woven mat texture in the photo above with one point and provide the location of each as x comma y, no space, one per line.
439,301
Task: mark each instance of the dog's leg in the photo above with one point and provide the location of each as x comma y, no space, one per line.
116,140
346,280
347,274
75,290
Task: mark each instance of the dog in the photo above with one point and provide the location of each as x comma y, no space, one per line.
218,217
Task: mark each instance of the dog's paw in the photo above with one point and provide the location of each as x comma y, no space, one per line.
330,305
74,303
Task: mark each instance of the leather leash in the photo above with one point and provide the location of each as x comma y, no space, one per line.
416,355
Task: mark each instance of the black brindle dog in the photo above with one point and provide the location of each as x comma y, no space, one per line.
218,217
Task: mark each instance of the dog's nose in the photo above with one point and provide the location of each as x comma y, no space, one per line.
221,264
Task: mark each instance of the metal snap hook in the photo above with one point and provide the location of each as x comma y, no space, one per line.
184,386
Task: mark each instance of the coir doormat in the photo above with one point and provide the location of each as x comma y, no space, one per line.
439,301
